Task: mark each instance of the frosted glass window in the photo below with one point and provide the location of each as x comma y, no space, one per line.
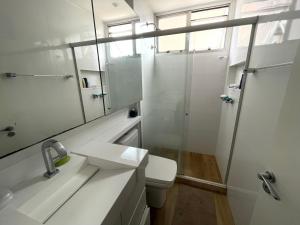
208,39
172,42
267,33
198,41
120,48
210,13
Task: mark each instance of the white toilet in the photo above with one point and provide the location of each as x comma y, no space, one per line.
160,172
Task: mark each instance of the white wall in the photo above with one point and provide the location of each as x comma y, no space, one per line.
238,56
264,94
33,41
227,119
284,162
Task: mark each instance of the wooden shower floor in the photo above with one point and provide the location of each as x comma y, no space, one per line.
201,166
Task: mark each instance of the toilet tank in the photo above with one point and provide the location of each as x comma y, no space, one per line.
130,139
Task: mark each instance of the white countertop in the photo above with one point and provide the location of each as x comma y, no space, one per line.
115,156
108,129
91,204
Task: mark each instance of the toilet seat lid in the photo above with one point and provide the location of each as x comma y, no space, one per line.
161,170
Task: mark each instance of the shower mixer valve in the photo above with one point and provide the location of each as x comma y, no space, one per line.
9,130
227,99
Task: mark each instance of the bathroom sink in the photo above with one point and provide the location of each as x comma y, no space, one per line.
51,194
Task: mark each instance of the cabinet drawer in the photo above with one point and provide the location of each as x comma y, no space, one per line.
139,210
146,217
132,200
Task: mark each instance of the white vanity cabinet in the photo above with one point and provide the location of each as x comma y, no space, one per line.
134,210
113,195
135,205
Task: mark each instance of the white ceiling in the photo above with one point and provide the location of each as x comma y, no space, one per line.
159,6
105,10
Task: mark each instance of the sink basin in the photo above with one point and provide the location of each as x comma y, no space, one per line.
52,193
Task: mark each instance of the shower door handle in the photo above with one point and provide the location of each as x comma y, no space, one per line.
9,130
268,180
98,95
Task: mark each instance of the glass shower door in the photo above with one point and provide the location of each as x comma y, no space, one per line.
206,75
163,106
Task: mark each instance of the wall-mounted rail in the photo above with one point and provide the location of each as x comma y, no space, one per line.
254,70
14,75
9,130
223,24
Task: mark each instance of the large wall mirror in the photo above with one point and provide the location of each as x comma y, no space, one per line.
48,87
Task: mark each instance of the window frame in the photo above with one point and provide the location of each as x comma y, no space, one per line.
282,7
133,23
186,38
188,23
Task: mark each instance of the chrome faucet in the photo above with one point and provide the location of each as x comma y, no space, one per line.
49,159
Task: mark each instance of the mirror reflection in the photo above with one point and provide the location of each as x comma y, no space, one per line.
120,61
42,77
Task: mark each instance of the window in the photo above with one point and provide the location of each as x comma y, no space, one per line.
172,42
208,39
198,41
127,47
120,48
268,33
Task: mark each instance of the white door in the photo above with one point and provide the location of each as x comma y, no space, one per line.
268,139
284,161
